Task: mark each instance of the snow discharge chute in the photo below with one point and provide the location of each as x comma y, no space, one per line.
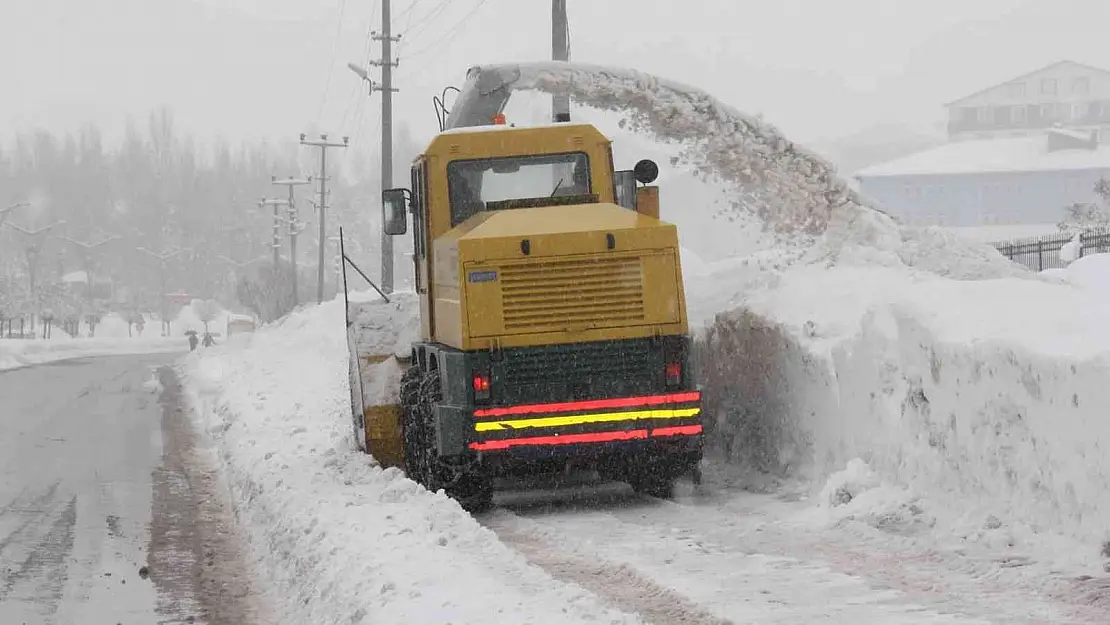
791,190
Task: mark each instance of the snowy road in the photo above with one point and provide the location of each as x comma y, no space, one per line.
99,485
722,555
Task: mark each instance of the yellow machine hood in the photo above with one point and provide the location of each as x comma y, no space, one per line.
569,273
558,230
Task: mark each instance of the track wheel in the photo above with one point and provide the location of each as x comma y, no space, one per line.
410,423
473,491
430,394
470,486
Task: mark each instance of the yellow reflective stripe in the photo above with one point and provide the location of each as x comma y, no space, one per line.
604,417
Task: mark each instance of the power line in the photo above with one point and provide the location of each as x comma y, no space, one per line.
408,12
446,37
429,17
331,63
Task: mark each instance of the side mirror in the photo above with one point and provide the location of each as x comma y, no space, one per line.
394,215
625,184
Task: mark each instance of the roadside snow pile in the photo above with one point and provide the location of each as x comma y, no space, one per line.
788,188
340,539
16,353
987,399
383,328
859,494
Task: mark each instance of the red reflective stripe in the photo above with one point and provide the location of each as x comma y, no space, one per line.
623,402
679,430
600,437
566,439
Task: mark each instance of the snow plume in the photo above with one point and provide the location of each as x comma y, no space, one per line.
791,190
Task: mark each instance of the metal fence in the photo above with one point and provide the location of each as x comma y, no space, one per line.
1044,252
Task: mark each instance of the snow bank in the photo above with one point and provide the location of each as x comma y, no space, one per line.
340,539
16,353
984,399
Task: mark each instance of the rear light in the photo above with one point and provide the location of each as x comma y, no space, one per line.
481,386
673,372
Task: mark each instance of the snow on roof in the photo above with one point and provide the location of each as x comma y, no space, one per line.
1027,75
1021,154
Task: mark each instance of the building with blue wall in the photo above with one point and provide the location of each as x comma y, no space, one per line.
1023,180
1017,153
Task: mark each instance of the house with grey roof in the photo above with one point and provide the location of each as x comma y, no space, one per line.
1065,94
1018,153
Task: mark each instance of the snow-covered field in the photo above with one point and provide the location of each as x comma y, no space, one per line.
112,337
931,416
16,353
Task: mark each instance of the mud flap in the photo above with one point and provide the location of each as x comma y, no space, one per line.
452,430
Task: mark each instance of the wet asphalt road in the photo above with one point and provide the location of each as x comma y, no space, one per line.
102,501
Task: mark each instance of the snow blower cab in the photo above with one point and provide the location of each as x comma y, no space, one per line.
553,328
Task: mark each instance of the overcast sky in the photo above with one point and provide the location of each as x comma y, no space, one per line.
259,68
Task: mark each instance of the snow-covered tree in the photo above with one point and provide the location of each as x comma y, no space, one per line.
205,310
1082,216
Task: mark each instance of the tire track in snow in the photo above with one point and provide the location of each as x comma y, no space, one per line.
618,584
45,567
38,511
197,555
966,582
722,577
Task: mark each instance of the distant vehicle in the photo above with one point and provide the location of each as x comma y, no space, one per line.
240,324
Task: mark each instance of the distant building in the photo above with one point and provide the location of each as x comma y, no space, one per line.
1073,95
1023,180
1018,153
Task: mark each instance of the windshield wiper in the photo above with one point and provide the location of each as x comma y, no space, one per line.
556,189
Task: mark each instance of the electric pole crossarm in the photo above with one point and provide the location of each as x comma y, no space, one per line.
323,144
386,63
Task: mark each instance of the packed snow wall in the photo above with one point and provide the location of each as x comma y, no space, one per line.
961,405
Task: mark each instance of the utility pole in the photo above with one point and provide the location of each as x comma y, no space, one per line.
87,260
275,242
162,257
560,51
338,261
33,251
387,63
323,144
294,228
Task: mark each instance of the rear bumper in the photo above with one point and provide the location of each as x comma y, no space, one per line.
651,424
674,456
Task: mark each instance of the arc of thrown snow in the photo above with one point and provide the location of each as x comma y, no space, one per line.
788,186
790,189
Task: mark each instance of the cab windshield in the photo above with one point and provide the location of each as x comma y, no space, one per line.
517,182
